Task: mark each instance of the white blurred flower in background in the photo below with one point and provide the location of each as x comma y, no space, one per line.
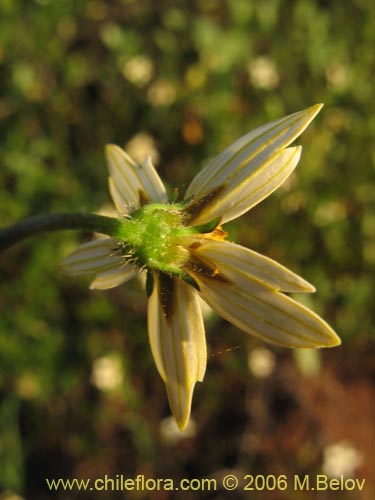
138,70
341,459
261,362
263,73
107,373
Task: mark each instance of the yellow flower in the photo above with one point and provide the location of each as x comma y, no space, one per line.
182,248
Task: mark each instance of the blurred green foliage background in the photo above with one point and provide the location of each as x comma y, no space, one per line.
79,395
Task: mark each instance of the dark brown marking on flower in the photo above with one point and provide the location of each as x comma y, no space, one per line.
143,198
197,265
190,280
195,245
166,294
149,283
196,205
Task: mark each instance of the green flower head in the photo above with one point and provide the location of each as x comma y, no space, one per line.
183,249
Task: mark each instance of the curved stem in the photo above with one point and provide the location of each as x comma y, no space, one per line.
56,222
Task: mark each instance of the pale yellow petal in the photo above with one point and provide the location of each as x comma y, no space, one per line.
93,257
118,200
263,312
251,168
114,277
133,183
152,182
178,343
249,263
250,188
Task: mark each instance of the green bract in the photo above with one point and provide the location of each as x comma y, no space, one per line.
151,237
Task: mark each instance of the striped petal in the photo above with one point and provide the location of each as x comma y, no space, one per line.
114,277
258,309
177,339
132,184
120,204
249,170
235,199
94,257
252,264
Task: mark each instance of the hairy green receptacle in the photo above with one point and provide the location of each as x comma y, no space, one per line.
151,237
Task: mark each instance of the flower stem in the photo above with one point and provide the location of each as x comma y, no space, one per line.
56,222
